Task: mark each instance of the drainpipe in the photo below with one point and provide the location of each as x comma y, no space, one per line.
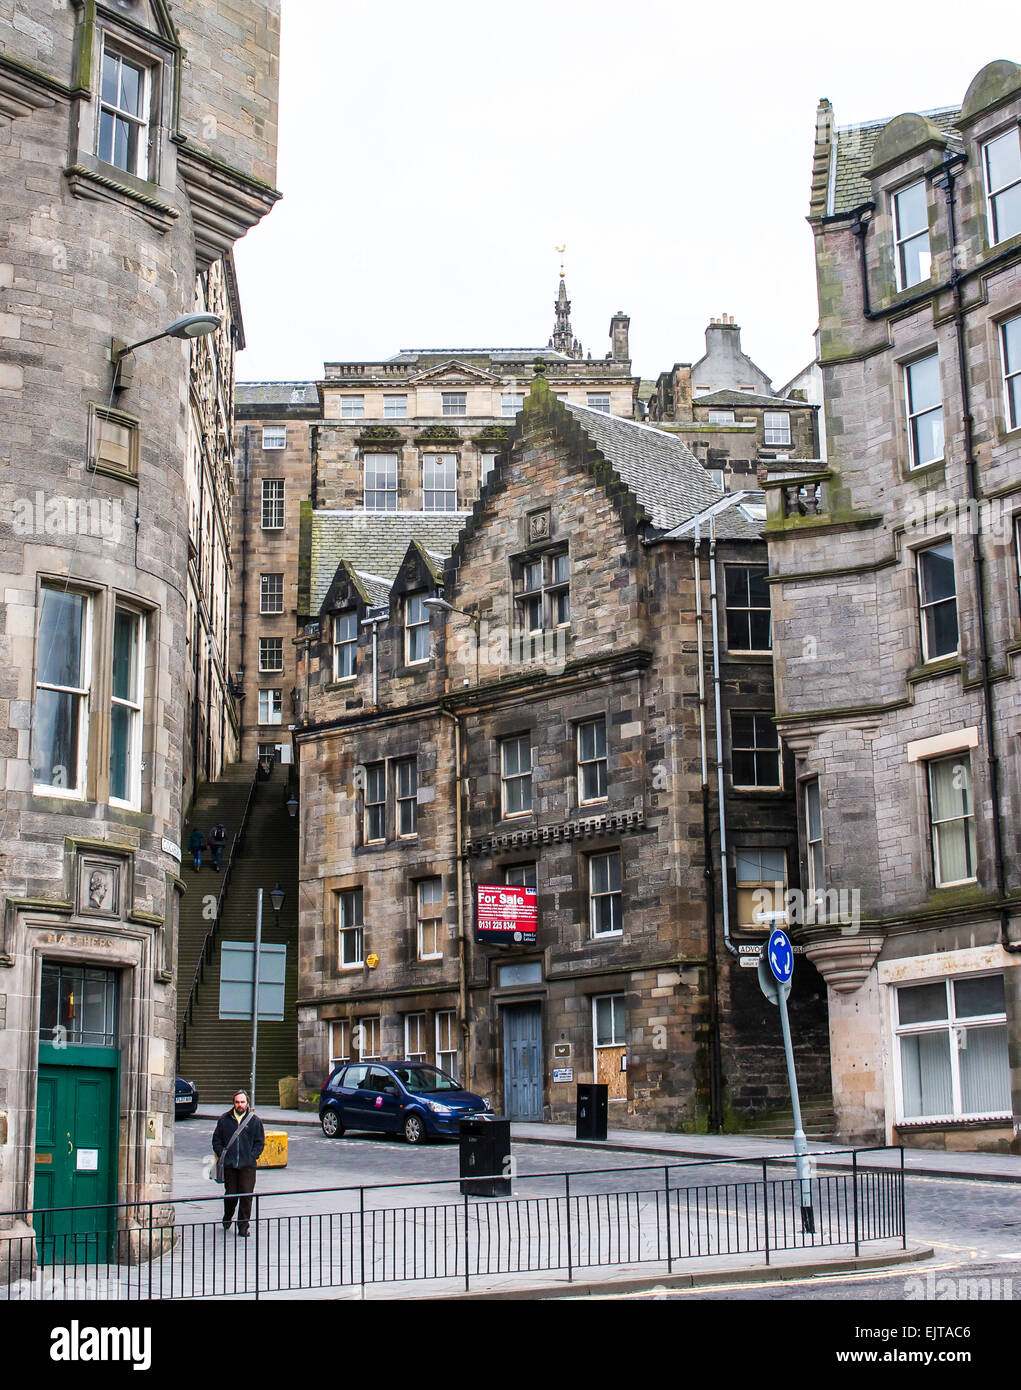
716,1080
714,600
462,964
946,182
245,465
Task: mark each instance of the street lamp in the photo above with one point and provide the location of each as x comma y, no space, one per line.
292,805
276,897
189,326
442,606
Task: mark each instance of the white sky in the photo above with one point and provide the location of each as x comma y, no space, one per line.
433,153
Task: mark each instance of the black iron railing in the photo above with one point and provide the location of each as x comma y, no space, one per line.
553,1222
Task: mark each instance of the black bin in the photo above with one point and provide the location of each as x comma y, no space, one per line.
485,1146
593,1107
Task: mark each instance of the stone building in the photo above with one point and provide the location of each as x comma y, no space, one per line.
897,617
131,164
725,409
416,433
543,730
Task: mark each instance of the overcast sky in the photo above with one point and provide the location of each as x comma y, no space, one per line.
434,153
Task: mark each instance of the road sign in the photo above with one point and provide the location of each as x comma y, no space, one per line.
780,956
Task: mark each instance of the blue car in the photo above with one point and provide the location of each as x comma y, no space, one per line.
409,1098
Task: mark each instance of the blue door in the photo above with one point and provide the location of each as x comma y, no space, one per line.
522,1061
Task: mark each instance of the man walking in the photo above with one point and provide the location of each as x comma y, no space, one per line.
217,840
238,1140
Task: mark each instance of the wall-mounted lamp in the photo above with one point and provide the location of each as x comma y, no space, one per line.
190,326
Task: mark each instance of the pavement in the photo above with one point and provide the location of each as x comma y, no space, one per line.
682,1147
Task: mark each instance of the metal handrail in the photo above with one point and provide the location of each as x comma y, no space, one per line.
209,940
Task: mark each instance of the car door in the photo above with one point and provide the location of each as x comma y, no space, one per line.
351,1098
385,1098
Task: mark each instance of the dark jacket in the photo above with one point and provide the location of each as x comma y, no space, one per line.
218,835
196,840
246,1151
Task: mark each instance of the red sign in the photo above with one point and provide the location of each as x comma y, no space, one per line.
505,913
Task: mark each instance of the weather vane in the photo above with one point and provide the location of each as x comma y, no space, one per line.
561,250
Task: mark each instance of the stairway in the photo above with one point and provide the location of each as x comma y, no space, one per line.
817,1116
217,1054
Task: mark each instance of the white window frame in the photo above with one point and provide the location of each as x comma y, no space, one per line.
598,400
395,407
446,1033
271,670
777,887
263,587
599,763
952,1026
439,482
340,1030
519,777
388,462
815,858
414,1031
271,703
350,931
992,194
914,416
82,693
369,1026
454,404
902,238
414,625
1011,374
957,760
135,708
406,798
924,606
426,920
611,893
510,403
274,437
272,504
352,407
375,784
141,120
345,644
621,1041
722,416
776,434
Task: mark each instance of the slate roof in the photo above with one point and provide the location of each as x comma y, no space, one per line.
374,544
853,147
659,469
734,519
276,393
728,397
495,354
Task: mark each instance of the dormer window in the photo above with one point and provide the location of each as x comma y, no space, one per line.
416,629
345,645
911,235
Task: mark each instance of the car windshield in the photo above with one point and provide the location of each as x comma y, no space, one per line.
420,1080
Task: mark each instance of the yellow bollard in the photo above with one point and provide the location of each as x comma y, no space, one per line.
274,1155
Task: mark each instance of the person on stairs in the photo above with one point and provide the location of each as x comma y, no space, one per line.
217,840
196,844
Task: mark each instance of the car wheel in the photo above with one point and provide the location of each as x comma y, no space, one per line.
330,1122
414,1129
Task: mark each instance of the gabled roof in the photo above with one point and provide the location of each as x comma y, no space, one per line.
374,545
660,471
851,153
276,393
739,516
453,368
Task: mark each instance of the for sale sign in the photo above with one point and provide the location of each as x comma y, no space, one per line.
505,914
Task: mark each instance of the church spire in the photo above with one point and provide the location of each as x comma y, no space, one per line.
563,339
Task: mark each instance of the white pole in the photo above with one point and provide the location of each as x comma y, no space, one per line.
255,990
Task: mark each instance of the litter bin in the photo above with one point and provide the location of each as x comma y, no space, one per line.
485,1146
592,1110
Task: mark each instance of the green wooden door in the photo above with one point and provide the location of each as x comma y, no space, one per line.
75,1154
